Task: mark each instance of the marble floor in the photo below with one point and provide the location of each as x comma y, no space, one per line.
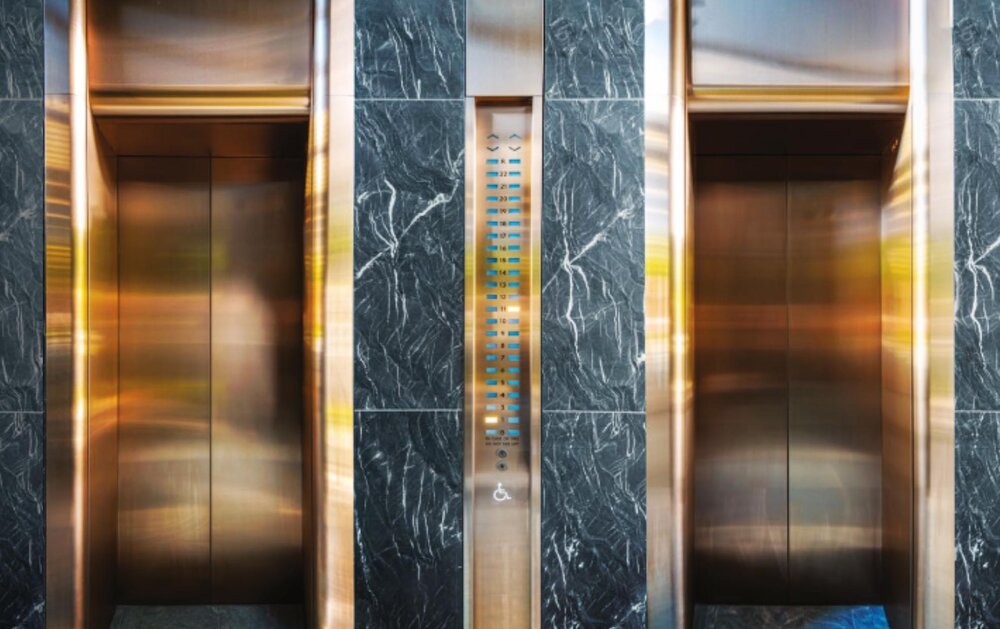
208,617
787,617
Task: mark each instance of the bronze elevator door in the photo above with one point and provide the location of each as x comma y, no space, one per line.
210,476
787,503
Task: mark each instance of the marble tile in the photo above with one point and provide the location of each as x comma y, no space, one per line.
594,48
977,520
22,520
208,617
408,519
593,263
409,272
976,49
593,520
21,49
745,616
22,256
409,48
977,255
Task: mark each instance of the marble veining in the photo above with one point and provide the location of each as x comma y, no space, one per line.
409,48
593,262
977,255
21,41
22,520
976,49
22,256
594,48
593,520
778,617
409,252
977,520
408,519
208,617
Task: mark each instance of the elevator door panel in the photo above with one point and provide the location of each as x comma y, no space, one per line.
835,379
257,284
211,284
740,380
164,451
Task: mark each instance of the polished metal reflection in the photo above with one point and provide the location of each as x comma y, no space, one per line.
897,386
788,42
788,372
256,380
741,380
102,401
329,318
165,343
502,477
138,44
667,303
932,121
505,55
834,369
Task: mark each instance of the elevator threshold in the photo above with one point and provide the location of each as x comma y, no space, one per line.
790,617
208,617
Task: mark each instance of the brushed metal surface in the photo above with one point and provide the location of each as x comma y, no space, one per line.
502,238
740,380
329,320
669,314
164,438
256,380
796,43
504,50
63,526
138,44
102,399
834,368
206,137
897,387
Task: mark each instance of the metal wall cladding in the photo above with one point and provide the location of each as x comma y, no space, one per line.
227,44
795,43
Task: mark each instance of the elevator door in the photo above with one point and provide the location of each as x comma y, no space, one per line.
787,379
210,482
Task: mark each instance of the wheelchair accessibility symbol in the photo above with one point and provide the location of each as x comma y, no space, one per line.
500,494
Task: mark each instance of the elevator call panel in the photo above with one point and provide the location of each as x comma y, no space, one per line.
501,394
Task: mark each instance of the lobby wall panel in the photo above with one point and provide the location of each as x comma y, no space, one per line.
22,290
592,256
409,255
976,41
593,519
977,260
21,58
22,520
409,49
408,519
977,511
593,48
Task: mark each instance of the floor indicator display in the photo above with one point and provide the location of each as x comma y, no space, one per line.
500,397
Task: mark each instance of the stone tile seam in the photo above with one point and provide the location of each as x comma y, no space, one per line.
26,99
598,99
592,412
457,99
409,410
22,412
985,99
974,412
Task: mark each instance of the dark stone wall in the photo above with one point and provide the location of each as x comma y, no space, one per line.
593,331
977,313
409,276
22,315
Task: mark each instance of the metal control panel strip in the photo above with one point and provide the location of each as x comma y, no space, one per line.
501,314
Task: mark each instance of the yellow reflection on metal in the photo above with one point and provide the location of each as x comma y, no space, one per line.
737,98
159,102
329,319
